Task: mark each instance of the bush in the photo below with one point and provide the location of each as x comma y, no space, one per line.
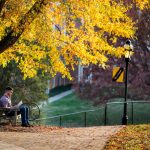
59,89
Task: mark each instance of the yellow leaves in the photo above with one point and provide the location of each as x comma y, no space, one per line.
6,57
28,68
135,137
66,32
143,4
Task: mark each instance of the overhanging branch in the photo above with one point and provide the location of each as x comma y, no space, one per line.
2,3
11,38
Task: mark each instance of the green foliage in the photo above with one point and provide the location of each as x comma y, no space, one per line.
59,89
31,89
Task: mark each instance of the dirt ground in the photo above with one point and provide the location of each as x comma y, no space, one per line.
55,138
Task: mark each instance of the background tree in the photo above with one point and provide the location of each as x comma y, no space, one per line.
102,88
29,90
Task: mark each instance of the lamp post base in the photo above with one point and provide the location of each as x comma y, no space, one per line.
125,120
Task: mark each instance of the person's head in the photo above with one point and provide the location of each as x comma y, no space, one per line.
9,91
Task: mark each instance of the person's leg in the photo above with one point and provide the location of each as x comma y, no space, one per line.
27,115
23,115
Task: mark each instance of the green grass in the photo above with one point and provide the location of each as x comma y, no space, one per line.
130,138
140,113
72,103
69,104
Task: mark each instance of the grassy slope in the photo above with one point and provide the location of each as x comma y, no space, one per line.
69,104
73,103
133,137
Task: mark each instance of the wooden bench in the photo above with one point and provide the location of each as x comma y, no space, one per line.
6,119
34,113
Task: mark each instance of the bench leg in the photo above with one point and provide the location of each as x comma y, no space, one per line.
15,121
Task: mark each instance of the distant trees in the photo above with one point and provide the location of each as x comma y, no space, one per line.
103,88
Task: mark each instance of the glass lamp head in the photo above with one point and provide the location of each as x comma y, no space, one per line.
128,49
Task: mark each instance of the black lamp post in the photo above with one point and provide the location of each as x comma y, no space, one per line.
128,48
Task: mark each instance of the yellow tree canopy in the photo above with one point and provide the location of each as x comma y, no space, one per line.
53,35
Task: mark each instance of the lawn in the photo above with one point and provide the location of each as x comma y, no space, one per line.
132,137
69,104
137,113
73,104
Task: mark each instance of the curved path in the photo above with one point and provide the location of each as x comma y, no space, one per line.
90,138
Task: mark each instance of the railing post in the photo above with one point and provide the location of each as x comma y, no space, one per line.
85,119
105,121
60,121
132,112
36,121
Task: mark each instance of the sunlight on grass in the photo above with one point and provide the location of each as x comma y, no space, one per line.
68,104
71,104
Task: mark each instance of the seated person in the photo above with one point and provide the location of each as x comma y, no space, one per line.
5,102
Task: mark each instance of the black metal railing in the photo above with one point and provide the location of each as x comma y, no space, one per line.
110,114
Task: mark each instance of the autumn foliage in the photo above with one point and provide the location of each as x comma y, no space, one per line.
53,36
131,137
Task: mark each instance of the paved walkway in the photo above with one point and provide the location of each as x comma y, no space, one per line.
90,138
7,146
55,98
